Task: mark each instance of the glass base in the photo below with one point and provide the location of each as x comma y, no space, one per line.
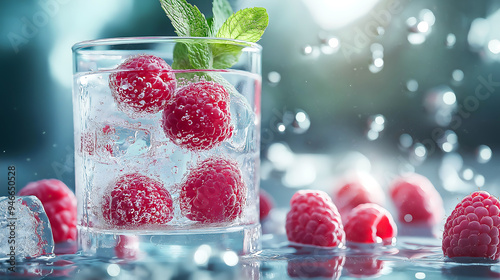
243,240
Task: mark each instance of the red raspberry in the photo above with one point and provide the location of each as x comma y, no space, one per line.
356,189
213,191
370,223
325,267
266,203
59,203
416,200
142,84
198,117
472,229
314,220
137,200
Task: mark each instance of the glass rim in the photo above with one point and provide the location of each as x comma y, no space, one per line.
154,39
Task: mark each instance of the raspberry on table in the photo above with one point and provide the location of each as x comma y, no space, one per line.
198,116
369,223
472,229
416,199
213,191
355,189
266,203
143,84
314,220
136,200
59,203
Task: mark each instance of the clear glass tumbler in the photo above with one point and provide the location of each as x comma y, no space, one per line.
165,156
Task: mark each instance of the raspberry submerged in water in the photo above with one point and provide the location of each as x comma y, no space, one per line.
59,203
213,191
314,220
369,223
416,200
137,200
472,229
143,84
198,116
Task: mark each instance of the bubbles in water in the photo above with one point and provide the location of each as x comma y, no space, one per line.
274,77
483,154
242,118
450,40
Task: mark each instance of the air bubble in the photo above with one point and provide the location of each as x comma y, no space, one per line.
301,122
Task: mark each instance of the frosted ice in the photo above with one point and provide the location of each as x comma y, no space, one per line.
242,117
24,228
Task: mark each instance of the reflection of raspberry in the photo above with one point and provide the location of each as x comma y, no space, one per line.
472,229
314,220
143,84
137,200
198,116
313,267
127,247
356,189
59,203
363,266
213,191
369,223
266,203
416,200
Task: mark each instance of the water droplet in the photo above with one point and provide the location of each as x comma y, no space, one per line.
175,169
405,141
301,122
376,122
449,98
457,75
412,85
467,174
408,218
274,77
483,154
423,27
281,127
479,180
494,46
427,16
451,39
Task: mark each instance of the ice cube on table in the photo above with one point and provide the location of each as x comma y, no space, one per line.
25,230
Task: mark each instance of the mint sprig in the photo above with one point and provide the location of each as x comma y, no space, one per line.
247,25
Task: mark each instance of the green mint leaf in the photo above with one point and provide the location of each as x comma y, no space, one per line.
186,18
221,10
247,25
192,56
225,55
